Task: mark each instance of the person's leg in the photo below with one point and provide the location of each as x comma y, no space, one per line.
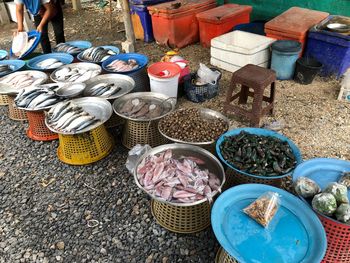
45,41
57,24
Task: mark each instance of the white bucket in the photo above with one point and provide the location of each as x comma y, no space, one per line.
166,86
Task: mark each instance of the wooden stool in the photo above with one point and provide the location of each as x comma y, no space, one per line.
256,78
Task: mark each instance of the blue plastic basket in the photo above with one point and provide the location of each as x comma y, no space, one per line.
82,44
31,34
113,48
16,65
294,235
3,54
141,59
63,57
264,132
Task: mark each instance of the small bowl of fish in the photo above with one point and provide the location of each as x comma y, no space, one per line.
78,115
16,81
38,97
76,72
97,54
49,62
3,54
72,47
109,86
71,90
10,66
125,63
144,106
179,174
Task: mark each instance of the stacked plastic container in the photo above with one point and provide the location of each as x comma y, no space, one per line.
220,20
175,24
141,19
294,24
236,49
337,58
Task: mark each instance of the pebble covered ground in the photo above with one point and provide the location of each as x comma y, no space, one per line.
53,212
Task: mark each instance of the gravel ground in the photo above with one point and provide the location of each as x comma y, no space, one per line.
52,212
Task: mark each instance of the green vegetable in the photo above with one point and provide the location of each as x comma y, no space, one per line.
325,203
339,191
343,213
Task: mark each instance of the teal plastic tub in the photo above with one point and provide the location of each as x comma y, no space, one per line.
284,56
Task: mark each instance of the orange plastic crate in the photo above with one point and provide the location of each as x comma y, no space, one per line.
220,20
175,24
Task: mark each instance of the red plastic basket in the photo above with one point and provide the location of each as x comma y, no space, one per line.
338,241
37,128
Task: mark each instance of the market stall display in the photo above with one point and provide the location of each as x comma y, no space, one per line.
83,138
183,209
76,72
294,223
142,112
325,172
244,162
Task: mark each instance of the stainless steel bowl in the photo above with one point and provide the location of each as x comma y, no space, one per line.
151,97
71,90
80,65
211,163
98,107
5,89
126,83
205,113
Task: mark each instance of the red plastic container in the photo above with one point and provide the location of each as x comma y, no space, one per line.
175,24
338,241
294,24
220,20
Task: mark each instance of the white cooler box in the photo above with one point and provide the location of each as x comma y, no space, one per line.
236,49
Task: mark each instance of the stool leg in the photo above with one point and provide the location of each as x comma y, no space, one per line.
229,96
272,97
243,98
257,108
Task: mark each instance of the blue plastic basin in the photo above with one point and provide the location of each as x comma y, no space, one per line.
258,131
82,44
63,57
113,48
3,54
16,65
141,59
31,34
284,56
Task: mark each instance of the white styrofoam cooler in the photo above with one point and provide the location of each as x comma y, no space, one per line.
236,49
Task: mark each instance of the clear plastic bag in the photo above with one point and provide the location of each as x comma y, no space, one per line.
263,209
345,179
134,154
306,187
206,75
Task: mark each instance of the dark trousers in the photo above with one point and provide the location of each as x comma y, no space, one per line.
57,24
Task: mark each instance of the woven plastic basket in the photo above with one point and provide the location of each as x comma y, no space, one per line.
114,121
142,132
338,241
182,219
15,113
37,129
85,148
223,257
141,80
4,100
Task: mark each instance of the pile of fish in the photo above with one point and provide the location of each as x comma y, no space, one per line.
140,109
21,80
69,117
97,54
123,66
50,63
37,97
104,90
257,154
5,69
67,48
68,74
178,180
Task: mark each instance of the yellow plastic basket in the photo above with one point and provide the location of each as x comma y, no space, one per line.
223,257
85,148
142,132
4,100
182,219
15,113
